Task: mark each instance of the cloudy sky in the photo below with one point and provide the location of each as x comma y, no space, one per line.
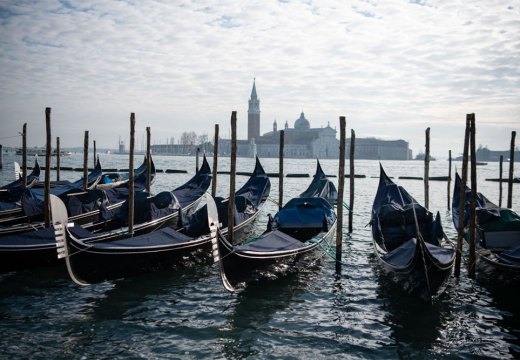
392,67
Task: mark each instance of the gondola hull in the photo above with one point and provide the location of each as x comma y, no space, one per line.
92,261
303,225
422,277
498,235
239,267
409,243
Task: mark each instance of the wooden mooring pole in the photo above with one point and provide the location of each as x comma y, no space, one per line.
1,157
148,160
473,210
500,180
341,185
131,184
85,161
464,179
215,164
427,170
58,164
351,180
449,180
47,185
94,157
24,153
511,171
232,176
280,169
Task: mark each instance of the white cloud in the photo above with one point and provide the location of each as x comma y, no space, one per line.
393,67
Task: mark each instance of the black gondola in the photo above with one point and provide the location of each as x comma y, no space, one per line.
19,215
409,243
498,233
11,193
89,261
38,247
299,228
87,208
116,179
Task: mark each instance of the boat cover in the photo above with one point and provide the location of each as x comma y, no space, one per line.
12,192
43,236
322,187
196,187
271,241
162,237
305,213
510,257
403,255
486,210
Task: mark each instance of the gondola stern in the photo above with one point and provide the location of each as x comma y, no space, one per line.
216,238
60,222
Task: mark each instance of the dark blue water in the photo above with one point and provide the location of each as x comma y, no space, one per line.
312,313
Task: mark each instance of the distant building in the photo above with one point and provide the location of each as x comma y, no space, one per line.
378,149
303,141
484,154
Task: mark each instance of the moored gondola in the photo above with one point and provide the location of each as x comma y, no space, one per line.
498,234
302,226
33,248
88,208
89,261
409,243
10,194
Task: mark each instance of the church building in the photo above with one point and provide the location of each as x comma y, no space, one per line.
301,141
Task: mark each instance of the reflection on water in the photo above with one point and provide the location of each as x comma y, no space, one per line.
313,313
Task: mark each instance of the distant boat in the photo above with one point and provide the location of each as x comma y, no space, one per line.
421,156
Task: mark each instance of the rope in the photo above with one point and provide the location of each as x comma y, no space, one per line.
315,240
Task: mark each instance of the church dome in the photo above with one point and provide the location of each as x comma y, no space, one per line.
302,123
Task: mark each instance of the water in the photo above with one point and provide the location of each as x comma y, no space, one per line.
314,313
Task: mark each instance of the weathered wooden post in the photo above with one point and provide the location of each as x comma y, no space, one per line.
511,171
1,157
449,181
215,164
462,203
131,184
47,185
148,160
85,161
94,157
232,175
427,170
352,177
341,185
500,181
473,210
58,164
24,153
280,169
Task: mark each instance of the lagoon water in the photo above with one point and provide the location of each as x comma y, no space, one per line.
311,314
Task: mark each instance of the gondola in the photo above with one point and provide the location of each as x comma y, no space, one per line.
409,243
112,180
87,208
303,225
19,215
89,261
11,193
498,233
38,247
93,178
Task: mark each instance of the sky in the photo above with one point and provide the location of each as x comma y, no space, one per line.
392,68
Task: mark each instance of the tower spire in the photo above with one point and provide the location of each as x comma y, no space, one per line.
253,92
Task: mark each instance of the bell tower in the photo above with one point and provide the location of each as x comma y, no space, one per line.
253,115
